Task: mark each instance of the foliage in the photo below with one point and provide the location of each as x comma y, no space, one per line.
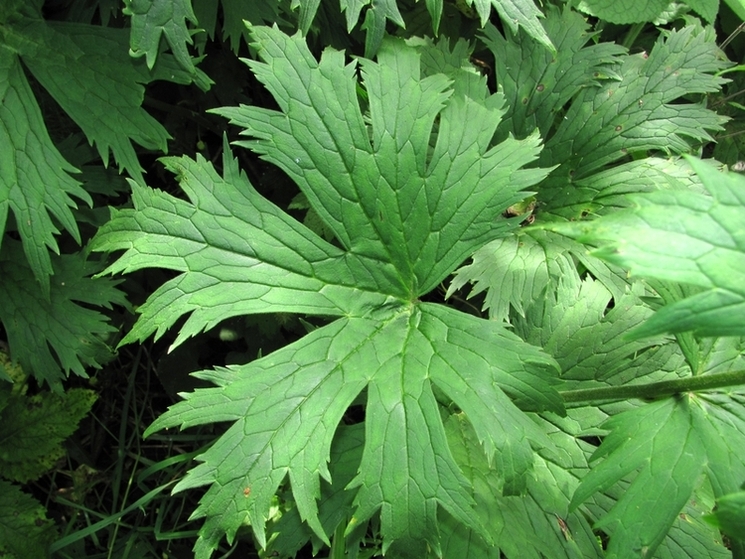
32,429
467,296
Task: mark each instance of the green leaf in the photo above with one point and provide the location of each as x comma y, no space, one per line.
335,505
575,326
663,442
687,237
86,69
532,526
738,6
25,530
376,18
541,85
239,254
152,19
234,13
34,180
635,114
623,11
729,515
613,189
707,9
513,270
408,192
320,134
32,429
51,336
515,14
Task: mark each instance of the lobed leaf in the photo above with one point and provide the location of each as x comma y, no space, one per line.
635,114
238,254
35,183
534,525
87,71
422,211
407,201
25,530
153,19
51,336
538,83
687,237
663,440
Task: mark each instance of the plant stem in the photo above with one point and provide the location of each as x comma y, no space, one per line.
632,34
655,389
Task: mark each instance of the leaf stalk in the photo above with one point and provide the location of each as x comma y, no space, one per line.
655,390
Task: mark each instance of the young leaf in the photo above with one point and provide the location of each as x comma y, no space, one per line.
51,336
34,177
153,18
686,237
406,212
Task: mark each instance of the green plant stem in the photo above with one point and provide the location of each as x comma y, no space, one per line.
655,389
632,34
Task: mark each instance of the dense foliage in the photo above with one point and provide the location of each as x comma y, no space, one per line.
470,296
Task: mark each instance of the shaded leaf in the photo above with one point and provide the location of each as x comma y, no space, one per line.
152,19
25,530
35,181
52,336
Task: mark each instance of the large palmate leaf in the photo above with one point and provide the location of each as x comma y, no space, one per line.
409,192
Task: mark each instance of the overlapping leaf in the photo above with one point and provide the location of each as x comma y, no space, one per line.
87,70
406,212
638,11
669,442
153,19
538,83
53,335
535,525
635,114
617,105
687,237
34,178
